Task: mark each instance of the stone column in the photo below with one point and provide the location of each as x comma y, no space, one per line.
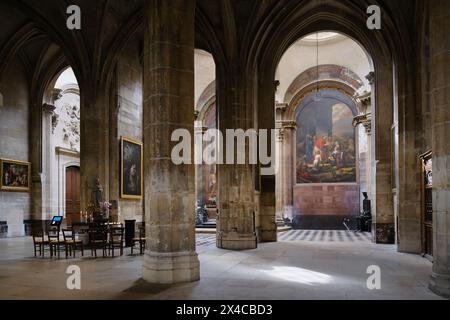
383,223
440,91
289,167
94,141
267,223
236,228
279,176
47,153
266,111
199,130
36,127
363,122
168,106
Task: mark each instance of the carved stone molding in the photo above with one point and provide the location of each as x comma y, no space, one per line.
283,127
56,94
55,121
289,124
71,130
48,108
67,152
371,78
365,102
280,135
281,106
365,120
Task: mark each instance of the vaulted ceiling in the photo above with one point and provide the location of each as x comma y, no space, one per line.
230,29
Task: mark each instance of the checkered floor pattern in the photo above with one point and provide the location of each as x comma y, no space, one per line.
324,236
205,240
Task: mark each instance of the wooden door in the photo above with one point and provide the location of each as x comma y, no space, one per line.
73,189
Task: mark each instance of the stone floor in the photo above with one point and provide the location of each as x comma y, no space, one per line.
300,266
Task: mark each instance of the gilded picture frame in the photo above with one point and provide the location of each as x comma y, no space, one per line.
131,169
15,175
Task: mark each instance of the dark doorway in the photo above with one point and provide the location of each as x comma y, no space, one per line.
73,189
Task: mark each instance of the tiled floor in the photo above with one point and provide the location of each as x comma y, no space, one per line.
325,236
297,267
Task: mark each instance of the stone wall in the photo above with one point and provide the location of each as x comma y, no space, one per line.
14,143
129,117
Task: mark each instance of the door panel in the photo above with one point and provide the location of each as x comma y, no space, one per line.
73,190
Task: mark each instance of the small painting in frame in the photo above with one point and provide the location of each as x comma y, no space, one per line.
131,185
15,175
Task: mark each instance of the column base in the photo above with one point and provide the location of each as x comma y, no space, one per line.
440,285
171,268
235,241
268,235
383,233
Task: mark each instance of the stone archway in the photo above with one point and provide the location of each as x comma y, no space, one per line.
322,17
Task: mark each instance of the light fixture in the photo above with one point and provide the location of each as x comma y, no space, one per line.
317,95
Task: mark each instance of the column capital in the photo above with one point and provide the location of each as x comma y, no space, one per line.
289,124
281,106
365,98
48,108
371,78
365,120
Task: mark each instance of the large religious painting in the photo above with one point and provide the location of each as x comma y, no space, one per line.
326,141
131,169
15,175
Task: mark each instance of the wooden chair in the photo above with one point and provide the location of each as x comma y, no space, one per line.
72,243
140,239
98,239
39,241
55,242
116,239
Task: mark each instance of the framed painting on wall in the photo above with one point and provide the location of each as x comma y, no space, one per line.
15,175
131,171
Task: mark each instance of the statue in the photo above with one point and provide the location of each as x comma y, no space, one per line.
98,193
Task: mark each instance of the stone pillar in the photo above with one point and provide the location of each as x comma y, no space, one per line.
267,181
440,90
363,122
279,175
236,229
94,141
36,127
267,223
199,130
289,167
168,106
286,173
383,223
47,153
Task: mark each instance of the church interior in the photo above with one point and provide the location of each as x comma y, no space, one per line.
344,105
